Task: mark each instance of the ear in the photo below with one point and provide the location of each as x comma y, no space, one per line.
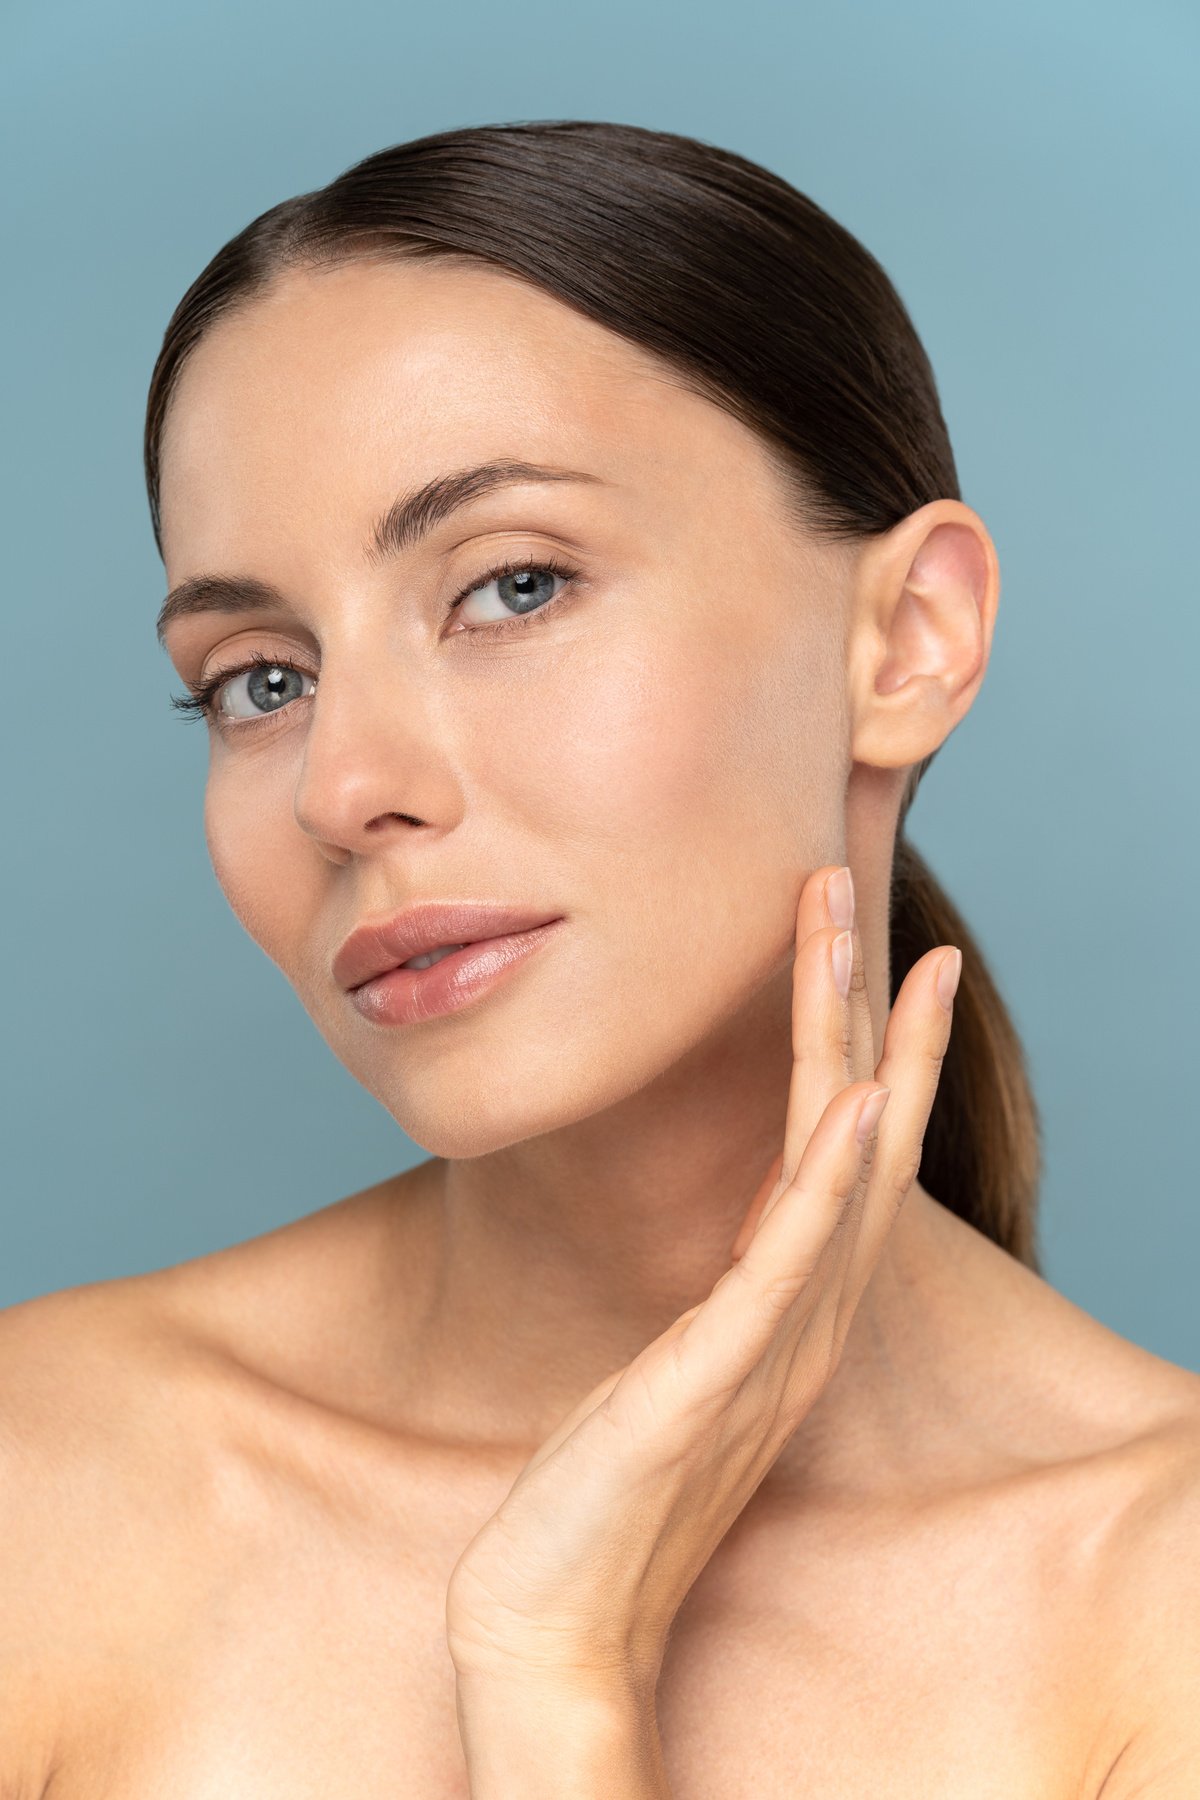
924,609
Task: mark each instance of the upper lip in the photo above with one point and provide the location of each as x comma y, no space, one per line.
373,948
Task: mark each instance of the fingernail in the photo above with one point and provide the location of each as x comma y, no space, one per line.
949,970
842,954
839,897
872,1107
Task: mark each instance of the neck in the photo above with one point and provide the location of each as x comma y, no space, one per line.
553,1262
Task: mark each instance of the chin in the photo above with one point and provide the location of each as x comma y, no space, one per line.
503,1073
458,1113
457,1131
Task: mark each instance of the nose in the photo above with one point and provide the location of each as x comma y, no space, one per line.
372,769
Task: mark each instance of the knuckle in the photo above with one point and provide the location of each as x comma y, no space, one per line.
843,1206
905,1169
845,1039
849,1215
775,1298
870,1152
741,1276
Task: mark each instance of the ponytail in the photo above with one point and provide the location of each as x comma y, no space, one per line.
982,1154
767,306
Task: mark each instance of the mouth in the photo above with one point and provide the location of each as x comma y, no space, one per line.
448,977
440,930
427,960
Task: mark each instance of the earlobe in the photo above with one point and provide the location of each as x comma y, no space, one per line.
927,598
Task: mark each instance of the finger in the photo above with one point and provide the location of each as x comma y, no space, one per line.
858,1040
730,1332
812,916
914,1049
813,911
768,1188
823,1051
576,1416
828,899
833,1039
861,1028
654,1353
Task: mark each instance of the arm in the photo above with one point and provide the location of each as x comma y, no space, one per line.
545,1741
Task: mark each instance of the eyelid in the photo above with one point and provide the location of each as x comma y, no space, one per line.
282,664
545,563
200,700
202,696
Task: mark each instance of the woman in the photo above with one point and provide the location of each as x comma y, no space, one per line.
567,557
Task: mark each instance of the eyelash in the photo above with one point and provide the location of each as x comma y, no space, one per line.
200,699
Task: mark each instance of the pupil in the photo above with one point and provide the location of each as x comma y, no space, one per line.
264,687
526,581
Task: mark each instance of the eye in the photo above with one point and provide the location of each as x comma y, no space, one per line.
257,689
522,591
272,683
525,595
263,686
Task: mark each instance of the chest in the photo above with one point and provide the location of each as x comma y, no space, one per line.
950,1669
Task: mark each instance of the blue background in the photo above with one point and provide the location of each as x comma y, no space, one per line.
1025,171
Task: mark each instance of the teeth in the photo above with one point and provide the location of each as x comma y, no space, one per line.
432,956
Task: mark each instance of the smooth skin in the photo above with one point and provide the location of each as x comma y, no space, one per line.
587,1562
572,1587
250,1503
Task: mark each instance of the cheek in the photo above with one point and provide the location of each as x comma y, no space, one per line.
670,794
703,747
250,831
680,789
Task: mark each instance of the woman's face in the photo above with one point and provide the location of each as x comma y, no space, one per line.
657,751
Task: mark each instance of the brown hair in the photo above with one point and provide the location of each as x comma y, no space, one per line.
766,306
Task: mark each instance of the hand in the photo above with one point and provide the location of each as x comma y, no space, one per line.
575,1580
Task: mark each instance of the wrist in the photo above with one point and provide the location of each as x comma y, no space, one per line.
529,1736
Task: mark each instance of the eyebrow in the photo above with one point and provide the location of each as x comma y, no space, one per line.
409,519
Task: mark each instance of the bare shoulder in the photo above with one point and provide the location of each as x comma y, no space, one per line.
118,1376
81,1431
1155,1612
1126,1423
132,1416
1105,1437
126,1393
82,1373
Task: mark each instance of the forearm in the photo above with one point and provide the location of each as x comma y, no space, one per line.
526,1741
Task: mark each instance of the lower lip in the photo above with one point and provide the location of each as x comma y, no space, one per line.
409,996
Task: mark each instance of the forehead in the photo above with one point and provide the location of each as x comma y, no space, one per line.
338,387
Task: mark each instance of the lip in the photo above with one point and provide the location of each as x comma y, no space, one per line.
412,996
377,946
